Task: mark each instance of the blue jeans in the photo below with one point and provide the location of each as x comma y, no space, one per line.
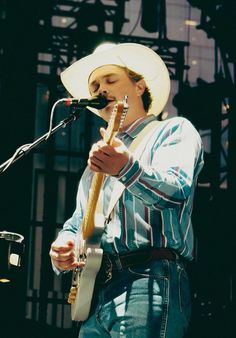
152,301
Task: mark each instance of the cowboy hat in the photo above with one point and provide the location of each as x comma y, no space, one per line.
133,56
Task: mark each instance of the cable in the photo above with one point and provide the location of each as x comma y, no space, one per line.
25,147
17,152
137,21
51,117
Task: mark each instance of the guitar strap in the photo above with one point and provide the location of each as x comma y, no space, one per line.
137,147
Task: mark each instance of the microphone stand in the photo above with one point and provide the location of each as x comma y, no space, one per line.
62,124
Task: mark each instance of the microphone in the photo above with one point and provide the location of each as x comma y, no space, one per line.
97,102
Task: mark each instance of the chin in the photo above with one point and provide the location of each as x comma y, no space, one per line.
105,115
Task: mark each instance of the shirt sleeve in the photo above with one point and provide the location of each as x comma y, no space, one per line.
175,160
72,226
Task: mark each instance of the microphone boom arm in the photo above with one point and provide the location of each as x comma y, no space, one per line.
25,149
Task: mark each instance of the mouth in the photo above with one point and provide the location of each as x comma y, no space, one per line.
111,103
111,99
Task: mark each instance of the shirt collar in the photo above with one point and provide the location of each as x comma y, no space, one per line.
134,129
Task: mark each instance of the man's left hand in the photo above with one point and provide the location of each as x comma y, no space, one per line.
109,159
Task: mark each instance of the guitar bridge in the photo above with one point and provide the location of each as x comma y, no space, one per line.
72,294
75,285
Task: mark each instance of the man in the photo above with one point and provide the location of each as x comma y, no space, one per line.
149,236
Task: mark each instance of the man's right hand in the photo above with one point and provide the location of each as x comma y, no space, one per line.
63,254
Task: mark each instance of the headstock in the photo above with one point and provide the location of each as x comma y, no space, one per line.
116,120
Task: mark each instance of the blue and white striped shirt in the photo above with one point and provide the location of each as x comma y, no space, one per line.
156,206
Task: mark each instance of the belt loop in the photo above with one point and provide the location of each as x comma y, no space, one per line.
177,257
118,262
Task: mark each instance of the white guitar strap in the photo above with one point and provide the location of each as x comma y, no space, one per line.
137,147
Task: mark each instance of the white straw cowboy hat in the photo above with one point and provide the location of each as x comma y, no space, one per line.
133,56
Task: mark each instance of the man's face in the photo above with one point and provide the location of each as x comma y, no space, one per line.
114,83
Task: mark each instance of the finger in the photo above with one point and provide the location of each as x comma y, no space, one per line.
102,132
94,148
62,256
97,151
70,243
69,264
65,266
116,142
101,144
104,150
62,252
78,264
95,155
61,248
93,166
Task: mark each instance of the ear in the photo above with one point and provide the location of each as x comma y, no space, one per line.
140,87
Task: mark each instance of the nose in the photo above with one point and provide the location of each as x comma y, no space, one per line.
103,90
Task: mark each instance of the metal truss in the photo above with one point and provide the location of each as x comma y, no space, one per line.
218,21
67,36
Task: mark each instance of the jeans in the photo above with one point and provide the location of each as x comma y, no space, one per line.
152,301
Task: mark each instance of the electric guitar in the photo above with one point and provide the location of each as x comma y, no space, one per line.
83,279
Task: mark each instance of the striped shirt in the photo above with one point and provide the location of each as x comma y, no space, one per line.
156,206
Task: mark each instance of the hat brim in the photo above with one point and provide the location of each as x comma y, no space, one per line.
135,57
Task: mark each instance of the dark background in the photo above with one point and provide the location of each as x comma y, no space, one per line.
37,193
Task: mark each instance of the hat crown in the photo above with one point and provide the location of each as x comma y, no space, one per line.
136,57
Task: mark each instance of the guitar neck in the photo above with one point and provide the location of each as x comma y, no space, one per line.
114,124
88,221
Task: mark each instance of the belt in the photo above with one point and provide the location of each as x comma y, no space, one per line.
112,263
